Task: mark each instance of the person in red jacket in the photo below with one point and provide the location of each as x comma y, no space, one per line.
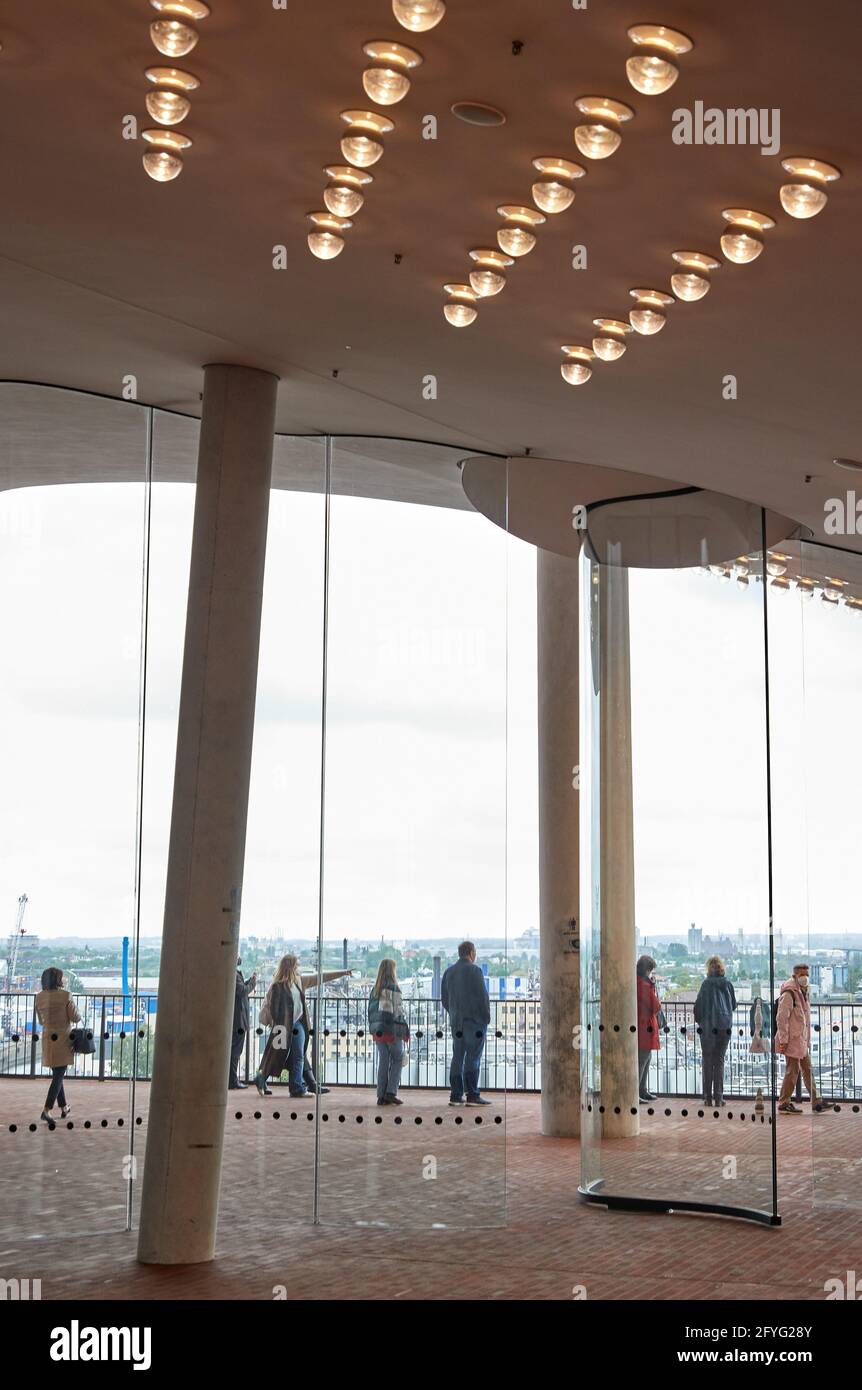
649,1007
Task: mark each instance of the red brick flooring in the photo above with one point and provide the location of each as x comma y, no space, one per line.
500,1220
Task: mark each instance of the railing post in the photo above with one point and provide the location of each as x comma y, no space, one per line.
33,1040
102,1043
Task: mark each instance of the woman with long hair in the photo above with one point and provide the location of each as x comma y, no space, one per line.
649,1008
388,1026
56,1013
286,1012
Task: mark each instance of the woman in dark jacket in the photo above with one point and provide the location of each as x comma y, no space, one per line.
388,1027
285,1010
649,1008
713,1014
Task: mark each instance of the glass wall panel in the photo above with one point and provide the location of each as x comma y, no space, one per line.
73,507
675,899
414,846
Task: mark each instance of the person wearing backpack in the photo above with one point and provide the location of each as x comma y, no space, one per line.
388,1027
793,1038
713,1013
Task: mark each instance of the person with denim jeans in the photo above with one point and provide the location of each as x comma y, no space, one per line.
285,1010
388,1026
464,996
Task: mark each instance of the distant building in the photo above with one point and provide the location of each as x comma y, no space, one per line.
695,940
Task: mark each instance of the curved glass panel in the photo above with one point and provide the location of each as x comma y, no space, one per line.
677,1103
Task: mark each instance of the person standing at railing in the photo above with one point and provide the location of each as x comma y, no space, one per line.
285,1011
243,989
713,1014
793,1038
649,1008
56,1013
465,998
387,1024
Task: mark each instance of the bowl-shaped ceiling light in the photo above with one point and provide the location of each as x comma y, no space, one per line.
325,241
386,81
343,195
600,134
418,15
647,317
162,165
553,192
460,310
610,342
742,241
692,281
172,37
806,195
362,146
576,369
488,278
516,237
651,69
172,140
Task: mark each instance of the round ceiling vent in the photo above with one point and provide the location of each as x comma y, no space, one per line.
478,113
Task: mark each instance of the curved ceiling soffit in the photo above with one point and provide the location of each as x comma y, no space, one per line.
547,502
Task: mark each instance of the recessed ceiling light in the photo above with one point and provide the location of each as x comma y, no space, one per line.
609,343
343,195
741,242
182,9
852,465
326,241
806,196
460,310
172,37
176,79
488,279
692,283
516,238
162,165
651,69
576,369
418,15
361,145
167,107
601,135
647,316
387,81
478,113
553,192
167,140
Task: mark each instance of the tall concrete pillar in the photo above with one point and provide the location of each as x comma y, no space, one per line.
619,1080
188,1095
557,631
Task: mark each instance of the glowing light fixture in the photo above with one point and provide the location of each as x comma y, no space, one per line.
343,195
418,15
516,238
806,196
386,81
162,165
647,316
175,79
173,140
553,192
805,586
741,242
361,146
182,9
651,68
776,564
600,135
460,310
172,37
325,241
576,370
488,279
609,344
780,582
692,282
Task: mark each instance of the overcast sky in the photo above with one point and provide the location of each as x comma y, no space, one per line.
431,760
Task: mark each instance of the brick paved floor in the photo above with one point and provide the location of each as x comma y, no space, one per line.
501,1218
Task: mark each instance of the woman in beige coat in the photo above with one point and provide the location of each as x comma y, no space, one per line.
56,1012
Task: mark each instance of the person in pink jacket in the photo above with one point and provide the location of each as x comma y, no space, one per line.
793,1038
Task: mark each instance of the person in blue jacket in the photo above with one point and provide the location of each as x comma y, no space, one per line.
465,998
713,1014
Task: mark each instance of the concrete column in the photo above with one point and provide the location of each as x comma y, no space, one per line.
619,1089
559,859
188,1095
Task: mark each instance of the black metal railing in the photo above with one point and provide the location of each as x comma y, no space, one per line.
124,1032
